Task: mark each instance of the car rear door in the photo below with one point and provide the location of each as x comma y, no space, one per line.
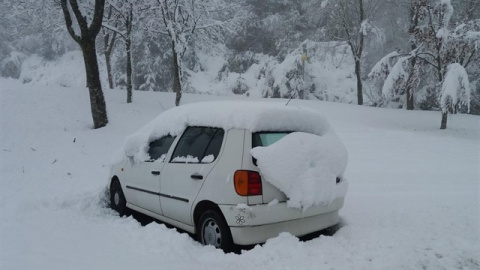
194,157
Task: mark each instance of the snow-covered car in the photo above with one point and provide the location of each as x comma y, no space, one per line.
233,172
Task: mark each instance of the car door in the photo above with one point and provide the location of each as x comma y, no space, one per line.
144,177
194,157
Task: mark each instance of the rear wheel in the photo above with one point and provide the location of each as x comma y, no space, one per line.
213,230
117,199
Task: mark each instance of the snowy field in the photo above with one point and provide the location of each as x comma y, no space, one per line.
413,200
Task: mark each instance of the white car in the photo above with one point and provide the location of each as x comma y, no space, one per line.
194,168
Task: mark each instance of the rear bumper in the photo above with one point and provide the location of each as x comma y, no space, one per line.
298,227
257,223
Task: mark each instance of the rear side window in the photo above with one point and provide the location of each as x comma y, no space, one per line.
266,138
158,149
198,145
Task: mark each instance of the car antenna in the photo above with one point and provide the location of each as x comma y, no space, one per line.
288,101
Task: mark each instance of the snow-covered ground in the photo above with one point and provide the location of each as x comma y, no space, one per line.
413,200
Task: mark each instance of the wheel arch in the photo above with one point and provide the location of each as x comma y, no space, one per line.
113,179
203,206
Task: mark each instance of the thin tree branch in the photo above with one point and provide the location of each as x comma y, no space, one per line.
97,17
82,21
68,21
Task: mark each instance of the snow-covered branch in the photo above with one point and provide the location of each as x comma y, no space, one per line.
455,88
115,29
398,74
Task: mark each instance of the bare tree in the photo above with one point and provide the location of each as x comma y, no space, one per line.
86,39
184,19
351,22
413,74
109,39
126,15
181,21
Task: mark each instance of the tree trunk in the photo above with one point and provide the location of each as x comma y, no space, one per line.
177,87
358,72
410,84
86,40
358,66
129,69
443,125
108,43
414,19
108,62
128,46
97,101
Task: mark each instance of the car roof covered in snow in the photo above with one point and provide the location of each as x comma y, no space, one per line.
251,115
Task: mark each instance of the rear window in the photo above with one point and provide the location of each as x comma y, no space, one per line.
267,138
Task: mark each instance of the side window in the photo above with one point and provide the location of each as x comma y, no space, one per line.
198,145
265,138
158,149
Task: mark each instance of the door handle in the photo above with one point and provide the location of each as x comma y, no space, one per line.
155,172
196,176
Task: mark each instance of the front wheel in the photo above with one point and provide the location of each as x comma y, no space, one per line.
213,230
117,199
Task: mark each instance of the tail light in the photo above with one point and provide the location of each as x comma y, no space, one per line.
248,183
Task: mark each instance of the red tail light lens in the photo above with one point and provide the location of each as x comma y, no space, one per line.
248,183
254,183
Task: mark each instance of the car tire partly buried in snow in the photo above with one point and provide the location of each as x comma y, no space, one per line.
117,199
213,230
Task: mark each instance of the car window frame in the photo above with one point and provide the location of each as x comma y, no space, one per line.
172,157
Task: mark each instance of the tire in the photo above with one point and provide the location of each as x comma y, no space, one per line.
213,230
117,199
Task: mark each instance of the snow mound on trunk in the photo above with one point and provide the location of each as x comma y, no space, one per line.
305,167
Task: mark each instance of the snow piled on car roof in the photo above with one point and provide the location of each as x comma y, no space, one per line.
253,116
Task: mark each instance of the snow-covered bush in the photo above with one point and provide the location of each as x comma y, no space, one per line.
289,79
328,75
240,87
239,63
11,66
66,71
